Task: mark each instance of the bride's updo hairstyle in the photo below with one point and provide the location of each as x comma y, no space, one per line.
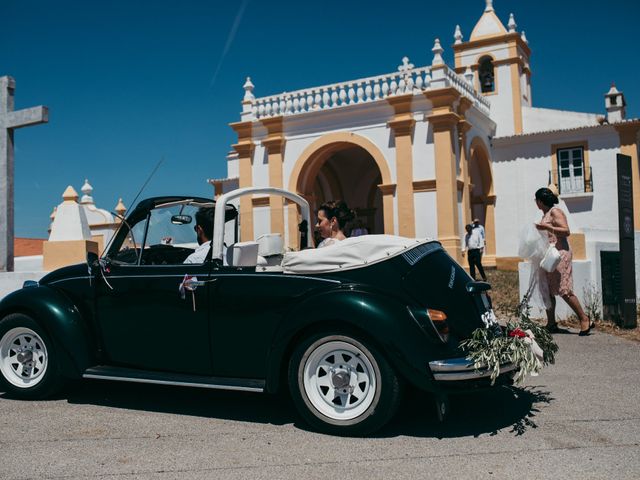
338,209
546,197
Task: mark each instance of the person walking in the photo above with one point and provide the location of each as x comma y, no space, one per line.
478,225
473,246
560,281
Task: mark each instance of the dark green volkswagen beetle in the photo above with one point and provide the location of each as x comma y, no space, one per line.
343,327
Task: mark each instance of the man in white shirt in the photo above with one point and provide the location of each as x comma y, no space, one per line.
473,245
204,231
476,224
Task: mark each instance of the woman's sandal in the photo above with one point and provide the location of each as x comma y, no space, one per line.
587,332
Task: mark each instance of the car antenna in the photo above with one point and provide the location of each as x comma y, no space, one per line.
155,169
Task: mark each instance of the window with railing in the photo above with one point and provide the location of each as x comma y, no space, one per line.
572,174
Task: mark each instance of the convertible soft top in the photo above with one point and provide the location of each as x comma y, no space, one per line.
355,252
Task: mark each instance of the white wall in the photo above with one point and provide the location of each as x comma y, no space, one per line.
426,214
521,165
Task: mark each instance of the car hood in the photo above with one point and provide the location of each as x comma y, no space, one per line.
79,270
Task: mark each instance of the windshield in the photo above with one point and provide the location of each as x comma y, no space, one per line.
167,235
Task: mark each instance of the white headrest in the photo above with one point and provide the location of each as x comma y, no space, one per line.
243,254
270,244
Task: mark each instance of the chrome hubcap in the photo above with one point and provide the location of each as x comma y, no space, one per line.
23,357
339,380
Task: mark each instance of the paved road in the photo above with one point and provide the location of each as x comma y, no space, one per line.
580,419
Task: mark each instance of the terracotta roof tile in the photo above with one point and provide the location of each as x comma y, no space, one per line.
23,247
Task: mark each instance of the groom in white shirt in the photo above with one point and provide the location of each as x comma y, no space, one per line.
474,245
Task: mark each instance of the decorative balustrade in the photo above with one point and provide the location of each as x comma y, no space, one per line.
465,88
364,90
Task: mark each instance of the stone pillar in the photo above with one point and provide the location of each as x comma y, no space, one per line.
388,192
629,146
274,143
490,231
444,122
245,148
463,128
402,126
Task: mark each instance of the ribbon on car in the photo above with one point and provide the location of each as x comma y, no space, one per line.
189,283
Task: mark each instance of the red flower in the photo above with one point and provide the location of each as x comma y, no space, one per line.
517,333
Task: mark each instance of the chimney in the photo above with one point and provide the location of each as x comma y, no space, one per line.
615,105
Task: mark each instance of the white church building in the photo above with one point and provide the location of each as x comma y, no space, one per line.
421,151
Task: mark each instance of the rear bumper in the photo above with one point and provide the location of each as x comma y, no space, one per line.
460,370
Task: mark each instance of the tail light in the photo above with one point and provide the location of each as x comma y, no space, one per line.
439,321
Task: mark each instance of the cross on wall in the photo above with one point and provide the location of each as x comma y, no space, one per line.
9,121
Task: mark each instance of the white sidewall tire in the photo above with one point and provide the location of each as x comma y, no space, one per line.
23,329
380,394
20,341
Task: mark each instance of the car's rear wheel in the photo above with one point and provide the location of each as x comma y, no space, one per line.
342,385
28,364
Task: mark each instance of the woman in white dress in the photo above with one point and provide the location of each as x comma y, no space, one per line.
332,219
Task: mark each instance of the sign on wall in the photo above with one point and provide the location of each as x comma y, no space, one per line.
627,253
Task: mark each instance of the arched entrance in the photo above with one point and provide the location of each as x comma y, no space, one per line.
348,167
350,175
483,198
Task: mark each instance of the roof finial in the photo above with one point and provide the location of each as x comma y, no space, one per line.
437,53
248,91
457,35
86,189
512,24
70,195
489,7
524,37
120,208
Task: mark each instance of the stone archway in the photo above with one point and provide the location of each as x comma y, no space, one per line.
482,196
346,166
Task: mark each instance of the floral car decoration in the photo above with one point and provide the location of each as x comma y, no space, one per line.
344,328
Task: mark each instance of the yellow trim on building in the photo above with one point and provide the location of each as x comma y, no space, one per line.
402,127
444,122
629,146
245,148
424,185
274,144
496,40
478,152
311,159
261,202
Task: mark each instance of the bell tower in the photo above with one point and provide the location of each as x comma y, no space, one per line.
498,58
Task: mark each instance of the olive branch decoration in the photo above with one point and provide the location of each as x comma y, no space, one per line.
493,347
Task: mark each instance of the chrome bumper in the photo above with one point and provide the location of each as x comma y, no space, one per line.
455,369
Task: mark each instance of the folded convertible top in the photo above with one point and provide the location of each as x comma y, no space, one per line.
355,252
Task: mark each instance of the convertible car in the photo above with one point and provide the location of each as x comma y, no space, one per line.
343,328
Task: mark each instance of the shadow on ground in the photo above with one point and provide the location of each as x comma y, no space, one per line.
471,414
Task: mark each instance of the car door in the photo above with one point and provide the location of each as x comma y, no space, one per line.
147,319
247,309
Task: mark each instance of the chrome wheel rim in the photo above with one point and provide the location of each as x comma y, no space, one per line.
339,380
23,357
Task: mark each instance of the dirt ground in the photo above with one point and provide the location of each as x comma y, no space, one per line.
504,294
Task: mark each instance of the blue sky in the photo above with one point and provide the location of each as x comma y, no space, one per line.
130,82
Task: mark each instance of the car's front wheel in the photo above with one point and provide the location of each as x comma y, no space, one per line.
342,385
28,366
